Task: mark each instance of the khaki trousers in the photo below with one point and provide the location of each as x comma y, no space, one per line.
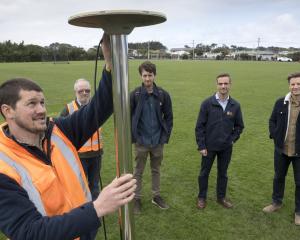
156,157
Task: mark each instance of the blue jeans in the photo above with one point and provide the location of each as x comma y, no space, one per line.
281,166
92,167
223,160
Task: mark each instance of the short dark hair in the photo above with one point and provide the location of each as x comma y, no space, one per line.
293,75
147,66
223,75
10,89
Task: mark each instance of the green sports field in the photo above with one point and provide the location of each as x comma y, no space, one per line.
256,85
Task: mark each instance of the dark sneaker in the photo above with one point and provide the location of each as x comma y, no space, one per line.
158,201
137,206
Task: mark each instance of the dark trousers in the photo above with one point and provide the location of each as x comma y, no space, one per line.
281,166
92,167
223,160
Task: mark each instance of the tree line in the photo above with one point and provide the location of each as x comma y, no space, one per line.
14,52
20,52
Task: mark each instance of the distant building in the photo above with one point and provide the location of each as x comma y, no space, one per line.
210,55
258,55
181,49
248,54
178,53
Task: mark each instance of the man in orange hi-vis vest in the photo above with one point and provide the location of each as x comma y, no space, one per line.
91,152
43,191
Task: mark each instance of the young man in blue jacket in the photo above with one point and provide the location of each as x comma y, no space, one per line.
284,127
218,127
152,122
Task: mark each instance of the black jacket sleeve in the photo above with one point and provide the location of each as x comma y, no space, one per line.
20,220
238,125
132,103
81,125
167,114
273,120
201,126
132,112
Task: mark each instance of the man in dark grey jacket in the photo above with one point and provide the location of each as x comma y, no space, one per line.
284,127
152,122
219,125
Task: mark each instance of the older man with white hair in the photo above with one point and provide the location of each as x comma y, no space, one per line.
91,152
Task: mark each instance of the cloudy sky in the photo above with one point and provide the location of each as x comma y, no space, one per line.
230,22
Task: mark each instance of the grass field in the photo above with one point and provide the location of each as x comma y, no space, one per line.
256,85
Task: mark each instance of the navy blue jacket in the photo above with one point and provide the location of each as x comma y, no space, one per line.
278,124
217,129
19,218
163,108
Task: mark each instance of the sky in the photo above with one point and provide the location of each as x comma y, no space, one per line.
246,23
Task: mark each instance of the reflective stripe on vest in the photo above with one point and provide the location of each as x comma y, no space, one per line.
69,156
93,143
88,143
72,107
27,183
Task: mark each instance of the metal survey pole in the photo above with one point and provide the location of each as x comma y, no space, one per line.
119,50
118,24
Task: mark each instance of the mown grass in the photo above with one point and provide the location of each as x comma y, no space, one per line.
256,85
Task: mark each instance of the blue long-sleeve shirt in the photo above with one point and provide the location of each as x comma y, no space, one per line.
19,218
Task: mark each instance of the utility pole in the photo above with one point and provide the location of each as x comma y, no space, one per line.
148,50
54,53
257,49
193,50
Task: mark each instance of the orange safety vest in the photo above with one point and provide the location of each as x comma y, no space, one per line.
54,189
93,143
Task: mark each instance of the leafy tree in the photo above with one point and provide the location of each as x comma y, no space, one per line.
201,48
213,45
275,49
295,56
224,50
153,45
244,56
91,53
34,52
233,47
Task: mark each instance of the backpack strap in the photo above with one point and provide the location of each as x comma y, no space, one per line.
161,95
137,93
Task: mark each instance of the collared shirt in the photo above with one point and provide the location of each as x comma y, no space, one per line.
79,103
223,103
289,144
149,128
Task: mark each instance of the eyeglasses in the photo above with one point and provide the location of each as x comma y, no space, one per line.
84,91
